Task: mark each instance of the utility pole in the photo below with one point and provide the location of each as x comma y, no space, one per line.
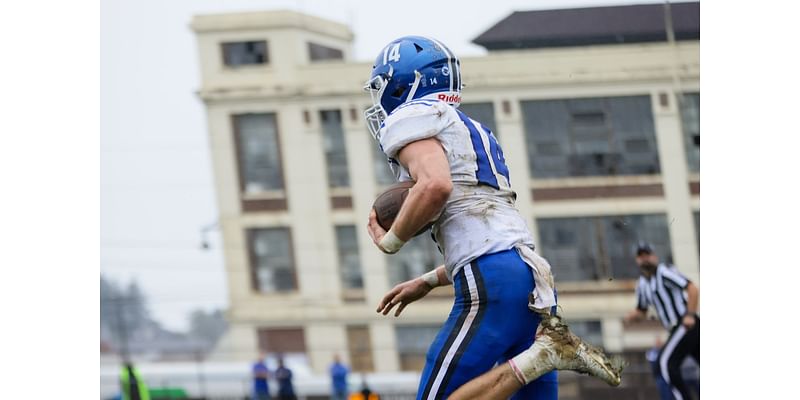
201,378
670,29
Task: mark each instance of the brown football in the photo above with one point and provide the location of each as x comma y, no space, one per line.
388,204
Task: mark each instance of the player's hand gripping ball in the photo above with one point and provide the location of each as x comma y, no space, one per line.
387,205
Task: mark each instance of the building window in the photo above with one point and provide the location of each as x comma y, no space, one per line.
259,153
360,348
281,340
271,260
318,52
383,173
590,137
419,256
335,153
349,261
600,248
412,345
481,112
236,54
690,116
590,330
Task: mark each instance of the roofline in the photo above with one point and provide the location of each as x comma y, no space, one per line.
277,19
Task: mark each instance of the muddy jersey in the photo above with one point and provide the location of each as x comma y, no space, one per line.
479,217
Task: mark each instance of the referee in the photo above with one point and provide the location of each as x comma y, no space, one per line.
675,299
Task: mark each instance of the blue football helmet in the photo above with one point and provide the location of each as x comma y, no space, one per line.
409,68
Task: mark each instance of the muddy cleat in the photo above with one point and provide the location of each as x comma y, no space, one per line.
558,348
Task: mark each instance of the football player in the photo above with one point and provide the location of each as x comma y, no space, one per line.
504,291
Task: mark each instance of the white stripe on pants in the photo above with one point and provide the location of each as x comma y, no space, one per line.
666,353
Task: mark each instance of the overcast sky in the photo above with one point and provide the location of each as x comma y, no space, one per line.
156,180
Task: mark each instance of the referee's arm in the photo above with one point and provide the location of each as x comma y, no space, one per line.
641,308
692,293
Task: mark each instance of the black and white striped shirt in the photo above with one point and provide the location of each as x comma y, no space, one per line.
664,290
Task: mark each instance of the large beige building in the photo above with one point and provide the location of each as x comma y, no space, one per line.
602,140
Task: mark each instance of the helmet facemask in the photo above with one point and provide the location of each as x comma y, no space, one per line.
376,114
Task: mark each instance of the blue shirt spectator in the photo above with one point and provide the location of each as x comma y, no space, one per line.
260,383
339,379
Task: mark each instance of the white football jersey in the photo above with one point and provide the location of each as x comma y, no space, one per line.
479,217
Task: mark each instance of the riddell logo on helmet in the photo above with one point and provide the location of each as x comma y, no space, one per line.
453,98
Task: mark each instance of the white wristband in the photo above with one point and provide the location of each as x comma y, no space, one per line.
390,243
431,278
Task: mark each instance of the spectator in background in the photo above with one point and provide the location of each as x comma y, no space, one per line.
284,377
365,393
133,387
260,383
338,379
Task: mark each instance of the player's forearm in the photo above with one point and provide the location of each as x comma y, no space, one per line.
436,278
424,202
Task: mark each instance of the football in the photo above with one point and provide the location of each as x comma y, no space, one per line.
387,205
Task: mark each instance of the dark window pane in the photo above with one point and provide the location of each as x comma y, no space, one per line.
360,348
690,116
245,53
335,153
598,248
590,137
419,256
412,344
281,340
259,154
272,260
318,52
589,118
591,331
483,113
349,261
383,173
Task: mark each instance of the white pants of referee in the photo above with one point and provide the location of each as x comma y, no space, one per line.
681,343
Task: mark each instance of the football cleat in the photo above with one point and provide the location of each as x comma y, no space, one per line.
556,347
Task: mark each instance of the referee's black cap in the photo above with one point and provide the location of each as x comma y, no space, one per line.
644,247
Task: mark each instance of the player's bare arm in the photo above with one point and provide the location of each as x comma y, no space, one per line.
428,166
410,291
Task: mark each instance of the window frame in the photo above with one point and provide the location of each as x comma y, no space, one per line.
311,59
225,55
601,249
325,153
340,257
250,235
239,155
567,141
687,138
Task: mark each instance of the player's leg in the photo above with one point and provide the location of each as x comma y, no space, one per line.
497,384
512,326
554,348
465,346
672,355
500,284
543,388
